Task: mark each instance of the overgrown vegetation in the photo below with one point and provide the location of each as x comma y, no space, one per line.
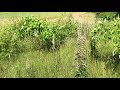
34,33
41,64
107,15
105,40
34,46
25,46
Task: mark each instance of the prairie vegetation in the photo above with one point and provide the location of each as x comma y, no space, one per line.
44,44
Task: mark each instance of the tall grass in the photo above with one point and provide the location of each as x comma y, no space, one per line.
58,64
41,64
101,67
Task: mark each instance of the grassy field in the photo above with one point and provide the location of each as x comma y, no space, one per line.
10,17
41,64
38,64
22,14
58,64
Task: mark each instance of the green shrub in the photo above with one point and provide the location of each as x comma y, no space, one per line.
107,31
44,31
107,15
33,33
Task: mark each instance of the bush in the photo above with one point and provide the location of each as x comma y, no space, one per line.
105,32
43,31
107,15
32,33
7,42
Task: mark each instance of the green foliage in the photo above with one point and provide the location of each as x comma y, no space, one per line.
34,33
42,64
44,31
107,31
7,42
107,15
